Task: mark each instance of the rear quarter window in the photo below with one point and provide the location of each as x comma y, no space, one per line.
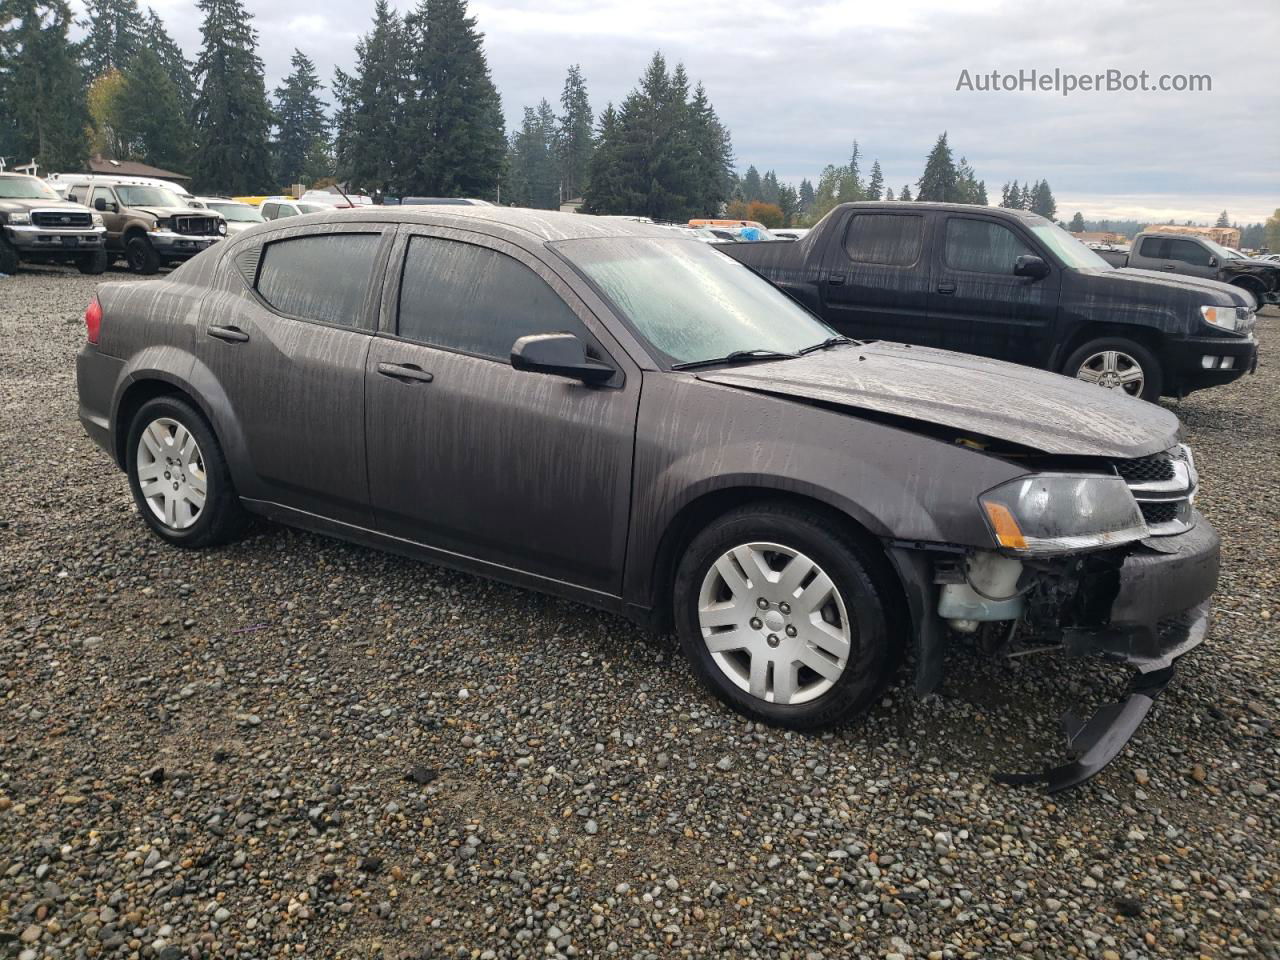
324,277
892,239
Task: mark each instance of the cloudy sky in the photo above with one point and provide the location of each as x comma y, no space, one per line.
798,81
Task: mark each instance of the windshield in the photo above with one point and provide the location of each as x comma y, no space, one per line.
148,197
691,302
25,188
1217,249
240,212
1071,251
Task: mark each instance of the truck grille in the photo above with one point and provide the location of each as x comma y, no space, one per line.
1165,486
196,226
59,219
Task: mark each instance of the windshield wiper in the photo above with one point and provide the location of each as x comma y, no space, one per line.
737,356
827,343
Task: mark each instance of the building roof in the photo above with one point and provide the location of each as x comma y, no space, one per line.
131,168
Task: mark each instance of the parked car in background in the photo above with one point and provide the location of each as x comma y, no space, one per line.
148,225
790,233
239,216
1195,256
615,414
443,202
39,226
273,208
337,199
1011,285
65,181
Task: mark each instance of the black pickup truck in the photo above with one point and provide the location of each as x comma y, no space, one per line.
1011,285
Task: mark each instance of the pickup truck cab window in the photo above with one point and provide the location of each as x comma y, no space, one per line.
892,239
102,193
322,277
1188,251
463,297
982,246
1153,247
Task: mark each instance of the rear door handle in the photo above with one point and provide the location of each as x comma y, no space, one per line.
404,371
229,334
836,279
947,287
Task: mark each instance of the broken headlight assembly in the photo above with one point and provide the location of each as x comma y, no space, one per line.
1052,514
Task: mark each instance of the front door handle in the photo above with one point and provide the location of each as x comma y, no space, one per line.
836,279
1169,266
947,288
229,334
404,371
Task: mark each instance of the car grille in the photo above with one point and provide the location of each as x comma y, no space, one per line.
1165,486
57,219
196,226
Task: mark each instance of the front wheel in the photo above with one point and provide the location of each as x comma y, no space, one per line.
92,263
8,257
780,615
142,256
179,477
1118,364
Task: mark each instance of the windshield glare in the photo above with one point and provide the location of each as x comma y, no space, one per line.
691,302
148,197
240,212
1071,251
25,188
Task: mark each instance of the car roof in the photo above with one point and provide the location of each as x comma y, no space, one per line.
546,225
897,205
15,175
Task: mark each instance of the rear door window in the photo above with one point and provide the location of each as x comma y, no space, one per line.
1189,252
322,277
893,239
982,246
1153,248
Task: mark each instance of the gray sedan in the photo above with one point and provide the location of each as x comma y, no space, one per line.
612,413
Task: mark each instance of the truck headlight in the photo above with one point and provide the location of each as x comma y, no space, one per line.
1234,319
1047,514
97,219
19,218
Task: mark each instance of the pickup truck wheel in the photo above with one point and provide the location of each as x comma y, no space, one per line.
1254,287
141,256
8,257
780,616
1117,364
179,477
92,263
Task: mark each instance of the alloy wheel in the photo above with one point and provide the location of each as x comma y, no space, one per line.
774,623
1115,370
171,474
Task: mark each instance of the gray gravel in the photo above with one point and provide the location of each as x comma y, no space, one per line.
296,747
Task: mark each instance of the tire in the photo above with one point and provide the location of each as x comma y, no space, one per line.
219,518
1254,288
141,256
856,607
92,263
8,257
1128,356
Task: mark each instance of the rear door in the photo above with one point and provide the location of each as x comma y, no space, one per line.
876,278
289,356
978,305
526,471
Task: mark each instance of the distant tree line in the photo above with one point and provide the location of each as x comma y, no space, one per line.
1253,236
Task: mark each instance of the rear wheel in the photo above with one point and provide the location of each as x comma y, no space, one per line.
92,263
141,255
1117,364
780,615
179,477
8,257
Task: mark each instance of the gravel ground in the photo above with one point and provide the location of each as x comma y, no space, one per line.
297,747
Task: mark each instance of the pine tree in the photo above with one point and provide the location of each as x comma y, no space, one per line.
303,124
606,190
532,170
41,85
368,122
1077,223
888,193
851,187
232,117
875,185
751,188
788,203
905,194
769,188
1004,194
806,195
574,140
1223,220
151,115
454,144
1042,201
967,190
939,183
712,156
116,32
827,194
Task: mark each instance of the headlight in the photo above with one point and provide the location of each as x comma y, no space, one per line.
1057,513
1235,319
19,218
222,227
159,225
97,220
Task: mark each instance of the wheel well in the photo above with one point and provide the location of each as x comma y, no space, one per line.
134,231
138,393
696,515
1151,339
1253,285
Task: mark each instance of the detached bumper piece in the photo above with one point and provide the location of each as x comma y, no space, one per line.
1093,743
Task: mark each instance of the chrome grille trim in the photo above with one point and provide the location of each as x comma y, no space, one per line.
1165,487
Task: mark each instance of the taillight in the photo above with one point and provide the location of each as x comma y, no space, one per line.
93,319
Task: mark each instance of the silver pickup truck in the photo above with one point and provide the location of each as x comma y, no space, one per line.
1200,257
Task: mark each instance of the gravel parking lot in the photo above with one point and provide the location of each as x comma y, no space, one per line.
296,747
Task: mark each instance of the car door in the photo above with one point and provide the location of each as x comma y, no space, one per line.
523,471
876,278
978,304
1189,257
111,217
288,357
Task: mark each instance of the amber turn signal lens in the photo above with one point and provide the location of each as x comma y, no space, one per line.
1008,533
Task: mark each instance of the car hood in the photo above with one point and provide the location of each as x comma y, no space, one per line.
1205,290
163,212
987,398
18,206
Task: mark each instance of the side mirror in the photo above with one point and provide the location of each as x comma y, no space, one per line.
1031,266
100,204
1213,261
560,353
